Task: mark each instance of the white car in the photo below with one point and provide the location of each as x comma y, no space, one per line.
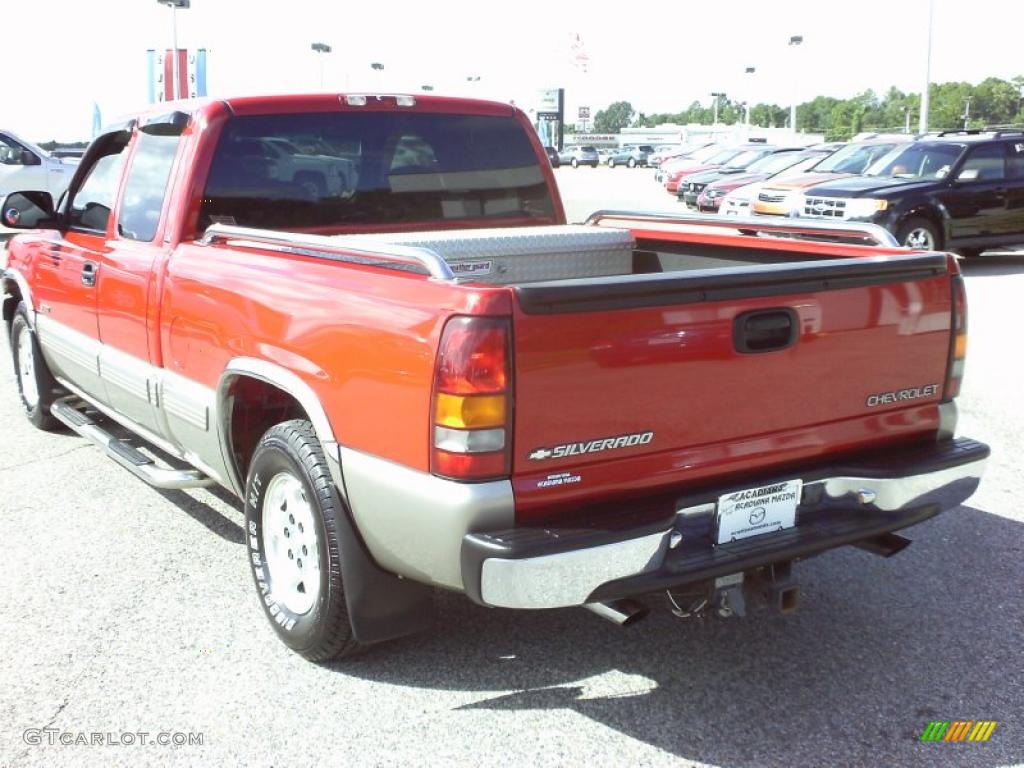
739,201
24,166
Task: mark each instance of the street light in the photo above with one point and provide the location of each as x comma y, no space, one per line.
427,87
794,41
922,125
717,97
174,5
749,71
321,48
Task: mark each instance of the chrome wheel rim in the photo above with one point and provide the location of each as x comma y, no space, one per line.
291,544
27,368
920,239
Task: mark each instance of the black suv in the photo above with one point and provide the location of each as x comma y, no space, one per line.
959,190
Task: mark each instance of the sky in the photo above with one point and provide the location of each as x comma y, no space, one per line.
659,56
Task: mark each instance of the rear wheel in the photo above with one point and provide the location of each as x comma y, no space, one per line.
631,163
575,163
36,384
292,515
969,253
920,234
611,163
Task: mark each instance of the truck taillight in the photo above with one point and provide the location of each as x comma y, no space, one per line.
958,340
471,413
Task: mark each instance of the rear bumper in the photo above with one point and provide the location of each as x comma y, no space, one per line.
553,568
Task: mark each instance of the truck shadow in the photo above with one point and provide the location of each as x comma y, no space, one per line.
993,265
877,649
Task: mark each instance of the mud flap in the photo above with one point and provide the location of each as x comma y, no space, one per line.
381,606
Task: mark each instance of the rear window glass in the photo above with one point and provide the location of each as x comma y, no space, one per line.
352,170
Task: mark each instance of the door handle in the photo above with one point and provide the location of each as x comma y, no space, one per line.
89,271
765,330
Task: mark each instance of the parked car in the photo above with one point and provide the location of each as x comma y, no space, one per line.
738,166
779,197
23,165
710,198
580,155
738,200
422,394
631,157
674,151
675,170
553,158
665,163
963,191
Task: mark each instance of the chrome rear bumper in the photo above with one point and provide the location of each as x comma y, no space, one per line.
841,504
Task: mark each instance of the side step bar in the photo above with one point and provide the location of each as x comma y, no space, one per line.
136,462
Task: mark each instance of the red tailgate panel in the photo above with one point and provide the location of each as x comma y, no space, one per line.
674,371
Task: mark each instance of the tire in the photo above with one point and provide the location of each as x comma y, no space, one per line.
969,253
575,163
295,552
36,385
313,184
920,234
631,163
611,163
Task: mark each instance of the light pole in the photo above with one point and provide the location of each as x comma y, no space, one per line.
748,71
717,97
174,5
906,119
794,41
925,95
321,49
967,112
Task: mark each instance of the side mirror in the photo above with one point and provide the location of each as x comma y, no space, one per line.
29,158
28,210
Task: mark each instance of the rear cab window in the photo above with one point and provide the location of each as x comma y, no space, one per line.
338,171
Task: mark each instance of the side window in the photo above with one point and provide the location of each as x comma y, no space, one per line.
146,186
91,205
985,163
1015,162
13,153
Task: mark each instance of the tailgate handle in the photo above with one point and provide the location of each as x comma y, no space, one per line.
765,330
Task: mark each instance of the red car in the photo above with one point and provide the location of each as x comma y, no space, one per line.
424,378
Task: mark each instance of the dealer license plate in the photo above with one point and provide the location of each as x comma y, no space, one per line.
755,511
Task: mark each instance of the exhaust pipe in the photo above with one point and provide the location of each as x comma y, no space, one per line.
621,612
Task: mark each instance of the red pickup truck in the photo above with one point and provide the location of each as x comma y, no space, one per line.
415,374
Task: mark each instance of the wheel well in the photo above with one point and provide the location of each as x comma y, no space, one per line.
254,406
930,216
11,301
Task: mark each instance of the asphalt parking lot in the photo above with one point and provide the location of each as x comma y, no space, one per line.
131,610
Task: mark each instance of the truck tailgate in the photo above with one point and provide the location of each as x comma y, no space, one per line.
660,381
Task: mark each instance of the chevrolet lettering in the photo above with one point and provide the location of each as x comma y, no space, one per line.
899,396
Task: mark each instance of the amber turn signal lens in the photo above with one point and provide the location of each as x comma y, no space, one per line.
469,411
960,349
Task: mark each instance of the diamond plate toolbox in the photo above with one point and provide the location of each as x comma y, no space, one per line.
524,254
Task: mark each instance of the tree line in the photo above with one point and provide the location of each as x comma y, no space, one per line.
991,102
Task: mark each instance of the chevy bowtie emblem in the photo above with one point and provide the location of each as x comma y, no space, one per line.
540,453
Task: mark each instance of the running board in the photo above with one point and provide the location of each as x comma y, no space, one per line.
136,462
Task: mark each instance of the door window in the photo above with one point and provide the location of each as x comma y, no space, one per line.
984,163
11,152
146,186
1015,162
92,203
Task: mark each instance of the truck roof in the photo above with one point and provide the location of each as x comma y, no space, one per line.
322,102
